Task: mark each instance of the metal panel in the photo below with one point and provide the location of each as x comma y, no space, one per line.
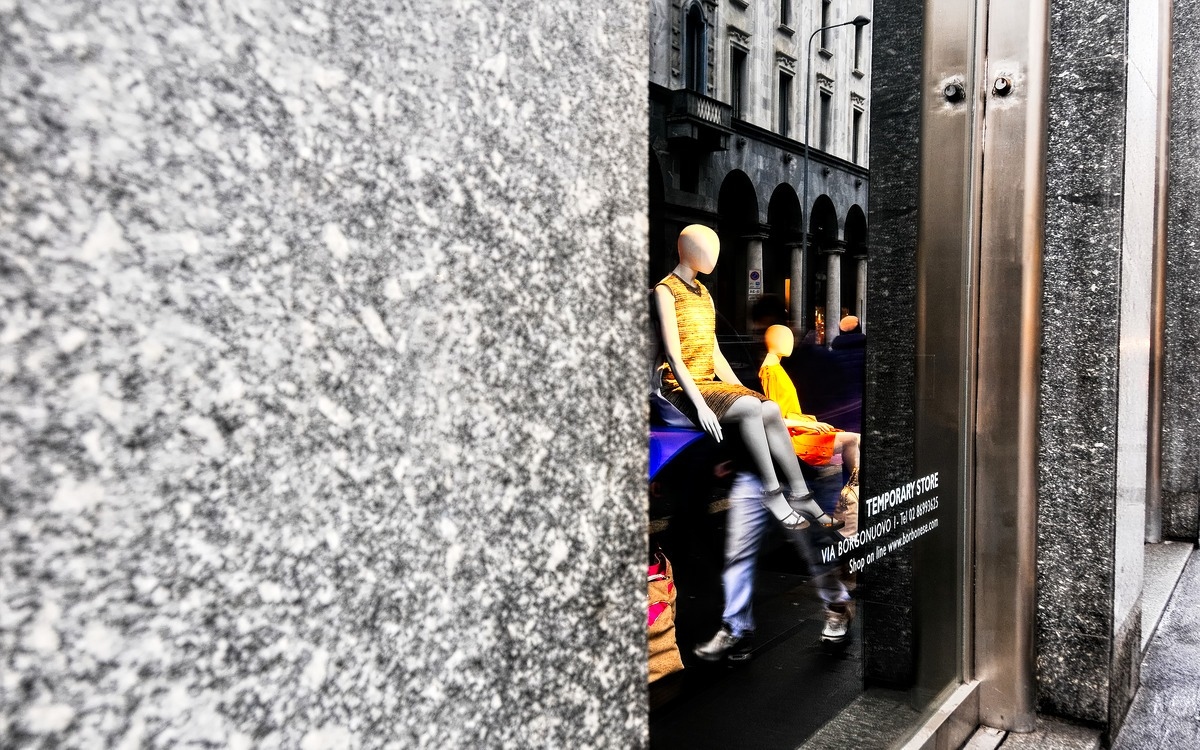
1011,232
946,310
1158,285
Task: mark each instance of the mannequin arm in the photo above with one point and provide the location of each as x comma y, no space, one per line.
669,330
809,422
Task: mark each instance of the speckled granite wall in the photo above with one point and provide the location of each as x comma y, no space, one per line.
321,389
1079,378
1181,369
886,589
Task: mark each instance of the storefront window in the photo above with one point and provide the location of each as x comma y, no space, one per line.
807,516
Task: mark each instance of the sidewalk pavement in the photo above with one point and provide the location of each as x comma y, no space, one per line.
1166,710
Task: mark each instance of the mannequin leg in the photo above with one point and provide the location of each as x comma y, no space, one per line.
784,454
746,417
765,435
782,449
847,443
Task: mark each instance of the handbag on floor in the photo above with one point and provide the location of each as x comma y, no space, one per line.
660,620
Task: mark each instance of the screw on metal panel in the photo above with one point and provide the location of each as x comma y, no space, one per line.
954,93
1003,86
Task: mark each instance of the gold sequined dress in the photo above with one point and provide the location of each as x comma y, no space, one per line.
697,324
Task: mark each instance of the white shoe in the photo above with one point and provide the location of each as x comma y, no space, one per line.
721,644
837,627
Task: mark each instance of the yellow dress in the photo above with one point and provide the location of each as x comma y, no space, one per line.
811,446
696,320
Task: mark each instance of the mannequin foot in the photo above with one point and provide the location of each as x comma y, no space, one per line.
803,501
824,521
795,521
776,503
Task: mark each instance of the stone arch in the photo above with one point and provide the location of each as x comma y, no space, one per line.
737,219
854,263
822,238
786,220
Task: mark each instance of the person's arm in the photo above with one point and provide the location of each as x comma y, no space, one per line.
669,330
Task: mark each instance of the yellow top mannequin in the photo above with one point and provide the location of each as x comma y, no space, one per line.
698,379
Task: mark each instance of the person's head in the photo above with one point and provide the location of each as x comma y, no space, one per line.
780,341
849,324
699,247
768,310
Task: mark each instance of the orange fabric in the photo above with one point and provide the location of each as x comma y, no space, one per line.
812,447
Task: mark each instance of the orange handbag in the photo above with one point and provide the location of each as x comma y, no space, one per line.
660,620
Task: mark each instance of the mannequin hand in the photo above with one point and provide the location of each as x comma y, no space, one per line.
708,421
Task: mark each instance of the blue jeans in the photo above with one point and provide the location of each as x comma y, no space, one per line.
746,524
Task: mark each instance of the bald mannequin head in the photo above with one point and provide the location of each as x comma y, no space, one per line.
699,247
780,341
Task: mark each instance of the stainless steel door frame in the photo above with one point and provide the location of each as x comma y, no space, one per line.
1158,284
951,113
979,319
1011,223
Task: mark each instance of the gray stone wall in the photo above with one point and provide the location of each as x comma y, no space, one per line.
1076,651
322,420
1181,369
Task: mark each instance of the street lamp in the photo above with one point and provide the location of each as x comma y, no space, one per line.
858,22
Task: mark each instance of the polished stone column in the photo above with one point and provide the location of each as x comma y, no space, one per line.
833,291
799,290
860,290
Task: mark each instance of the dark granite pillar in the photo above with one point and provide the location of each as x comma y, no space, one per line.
1181,370
890,406
1084,655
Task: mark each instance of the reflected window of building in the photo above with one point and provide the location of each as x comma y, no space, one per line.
693,49
785,102
737,81
825,22
785,12
856,137
824,118
858,48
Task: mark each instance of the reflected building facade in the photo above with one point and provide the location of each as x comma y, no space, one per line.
728,121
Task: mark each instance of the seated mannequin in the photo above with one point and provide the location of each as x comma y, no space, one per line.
814,442
698,380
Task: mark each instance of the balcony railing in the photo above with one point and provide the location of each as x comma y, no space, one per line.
686,103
